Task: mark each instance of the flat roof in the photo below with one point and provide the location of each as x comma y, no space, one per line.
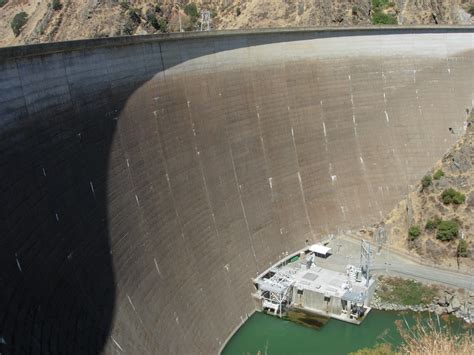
319,249
325,281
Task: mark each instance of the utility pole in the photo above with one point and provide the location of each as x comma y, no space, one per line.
365,256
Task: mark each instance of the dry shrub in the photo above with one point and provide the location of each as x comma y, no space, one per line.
428,338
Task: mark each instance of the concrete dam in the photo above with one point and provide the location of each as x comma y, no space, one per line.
146,180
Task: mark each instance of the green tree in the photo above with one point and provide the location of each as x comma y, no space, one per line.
414,232
18,22
3,3
462,249
152,20
426,182
432,223
192,11
447,230
452,196
381,18
438,174
56,5
379,4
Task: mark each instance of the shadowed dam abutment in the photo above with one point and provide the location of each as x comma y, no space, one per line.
146,180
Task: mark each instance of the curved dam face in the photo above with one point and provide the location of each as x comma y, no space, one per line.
146,180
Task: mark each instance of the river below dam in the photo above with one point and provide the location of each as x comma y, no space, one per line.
274,336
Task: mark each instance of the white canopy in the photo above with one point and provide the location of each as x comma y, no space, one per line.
319,249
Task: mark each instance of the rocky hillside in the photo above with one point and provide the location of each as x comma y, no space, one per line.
33,21
397,294
436,221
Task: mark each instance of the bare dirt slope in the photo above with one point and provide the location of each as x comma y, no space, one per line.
79,19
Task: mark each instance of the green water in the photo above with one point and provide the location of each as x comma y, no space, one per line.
274,336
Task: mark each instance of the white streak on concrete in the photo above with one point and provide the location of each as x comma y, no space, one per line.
324,129
131,303
189,103
386,116
128,163
414,76
243,208
18,262
44,172
354,119
92,188
333,178
349,76
138,202
352,99
157,268
57,216
292,132
116,343
343,212
361,160
270,182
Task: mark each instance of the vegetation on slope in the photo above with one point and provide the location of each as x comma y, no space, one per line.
405,291
18,22
93,19
425,338
383,12
435,221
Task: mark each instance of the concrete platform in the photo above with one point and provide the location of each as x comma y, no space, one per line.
291,284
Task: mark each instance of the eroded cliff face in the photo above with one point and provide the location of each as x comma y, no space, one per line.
106,18
434,12
276,13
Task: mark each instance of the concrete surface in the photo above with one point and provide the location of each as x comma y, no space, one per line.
346,251
145,180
